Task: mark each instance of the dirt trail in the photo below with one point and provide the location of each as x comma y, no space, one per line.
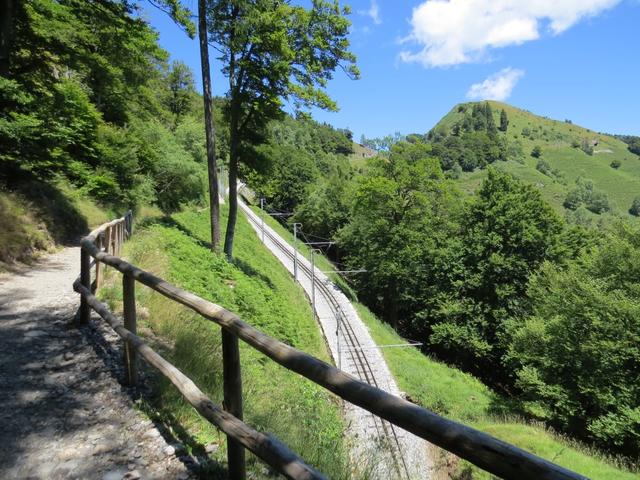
63,413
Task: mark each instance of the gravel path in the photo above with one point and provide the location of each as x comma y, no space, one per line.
63,413
379,448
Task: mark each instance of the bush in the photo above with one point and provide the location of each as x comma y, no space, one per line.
574,199
616,164
597,202
544,168
586,147
635,207
577,357
536,152
585,194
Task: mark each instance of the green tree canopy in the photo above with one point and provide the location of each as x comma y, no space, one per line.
578,355
273,51
399,218
506,232
504,120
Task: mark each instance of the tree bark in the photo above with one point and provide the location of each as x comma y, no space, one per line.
209,127
233,187
6,35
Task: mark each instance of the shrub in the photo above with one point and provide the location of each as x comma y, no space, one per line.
597,202
577,355
616,164
536,152
544,168
585,194
635,207
586,147
574,199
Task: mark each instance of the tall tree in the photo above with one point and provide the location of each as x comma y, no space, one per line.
272,51
506,232
504,121
181,16
577,357
181,89
399,219
209,126
6,35
491,124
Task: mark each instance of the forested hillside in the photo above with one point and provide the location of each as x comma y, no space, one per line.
495,279
106,111
92,109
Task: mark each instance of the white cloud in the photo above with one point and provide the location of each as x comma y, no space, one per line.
451,32
497,86
373,12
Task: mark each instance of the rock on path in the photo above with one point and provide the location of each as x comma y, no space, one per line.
62,412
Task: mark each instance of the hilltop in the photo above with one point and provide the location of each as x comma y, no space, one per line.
568,152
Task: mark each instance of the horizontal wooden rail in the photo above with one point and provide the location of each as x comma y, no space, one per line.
264,446
481,449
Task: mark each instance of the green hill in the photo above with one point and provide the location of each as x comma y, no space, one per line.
564,148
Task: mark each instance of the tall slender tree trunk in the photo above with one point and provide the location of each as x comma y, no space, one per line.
209,126
233,186
6,35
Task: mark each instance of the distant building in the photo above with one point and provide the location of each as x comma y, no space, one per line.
367,152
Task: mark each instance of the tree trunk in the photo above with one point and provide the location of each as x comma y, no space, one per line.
233,188
6,35
209,127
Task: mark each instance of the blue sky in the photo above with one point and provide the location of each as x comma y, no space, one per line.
566,59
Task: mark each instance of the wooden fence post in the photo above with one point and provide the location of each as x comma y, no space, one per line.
109,248
130,223
119,238
99,243
129,301
85,279
232,379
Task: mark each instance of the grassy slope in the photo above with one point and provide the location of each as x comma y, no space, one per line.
260,290
555,137
37,216
463,398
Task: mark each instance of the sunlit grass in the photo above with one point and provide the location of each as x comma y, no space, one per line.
258,288
461,397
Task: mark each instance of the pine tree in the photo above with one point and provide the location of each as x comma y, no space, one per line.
504,121
491,124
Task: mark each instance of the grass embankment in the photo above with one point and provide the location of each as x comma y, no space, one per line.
260,290
461,397
36,216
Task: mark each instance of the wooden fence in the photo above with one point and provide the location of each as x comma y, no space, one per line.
104,243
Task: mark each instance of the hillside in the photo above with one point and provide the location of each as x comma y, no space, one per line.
561,143
261,291
38,216
455,394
